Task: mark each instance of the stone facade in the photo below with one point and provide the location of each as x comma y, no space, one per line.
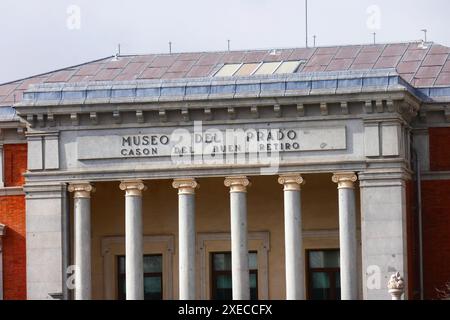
357,138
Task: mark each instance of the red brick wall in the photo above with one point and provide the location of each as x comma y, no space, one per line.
15,164
439,139
436,235
12,214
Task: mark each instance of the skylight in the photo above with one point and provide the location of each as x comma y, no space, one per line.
246,69
288,67
268,68
228,70
263,68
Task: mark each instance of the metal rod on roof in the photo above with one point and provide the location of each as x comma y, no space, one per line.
314,37
228,42
170,47
118,49
425,33
306,22
374,37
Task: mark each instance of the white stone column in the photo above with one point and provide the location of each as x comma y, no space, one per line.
295,282
82,218
134,259
239,247
347,235
186,236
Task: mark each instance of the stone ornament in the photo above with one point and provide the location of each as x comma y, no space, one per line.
185,185
396,286
345,179
133,187
291,182
81,189
237,184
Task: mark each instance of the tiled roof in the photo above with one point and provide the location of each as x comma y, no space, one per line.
421,67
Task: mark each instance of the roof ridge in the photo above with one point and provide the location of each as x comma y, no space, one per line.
271,48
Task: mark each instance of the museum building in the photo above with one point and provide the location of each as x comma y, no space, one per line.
305,173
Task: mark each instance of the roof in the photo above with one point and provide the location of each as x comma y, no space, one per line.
217,88
421,66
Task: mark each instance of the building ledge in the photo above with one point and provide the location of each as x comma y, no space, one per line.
11,191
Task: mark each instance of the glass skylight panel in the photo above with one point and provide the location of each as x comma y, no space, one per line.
287,67
258,68
267,68
228,70
246,69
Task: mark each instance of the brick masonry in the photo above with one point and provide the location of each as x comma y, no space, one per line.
439,139
436,216
15,164
12,214
436,235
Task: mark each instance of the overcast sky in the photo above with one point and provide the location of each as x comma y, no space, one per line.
43,35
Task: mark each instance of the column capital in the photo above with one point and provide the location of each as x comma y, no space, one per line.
237,183
291,182
185,185
345,180
133,187
81,189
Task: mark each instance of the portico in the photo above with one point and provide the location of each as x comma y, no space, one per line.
188,271
249,196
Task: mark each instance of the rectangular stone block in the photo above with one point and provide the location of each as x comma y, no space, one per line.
372,140
35,156
51,152
391,140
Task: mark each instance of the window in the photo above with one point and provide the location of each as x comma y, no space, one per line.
221,275
152,277
323,274
263,68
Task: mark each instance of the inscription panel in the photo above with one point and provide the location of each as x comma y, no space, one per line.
182,142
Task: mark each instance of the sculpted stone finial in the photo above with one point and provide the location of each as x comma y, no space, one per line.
396,286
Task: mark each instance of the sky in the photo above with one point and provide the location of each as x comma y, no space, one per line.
45,35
